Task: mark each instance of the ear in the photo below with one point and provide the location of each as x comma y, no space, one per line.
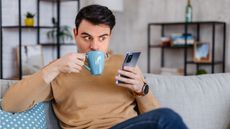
75,32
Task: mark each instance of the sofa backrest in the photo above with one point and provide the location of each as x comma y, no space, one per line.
202,101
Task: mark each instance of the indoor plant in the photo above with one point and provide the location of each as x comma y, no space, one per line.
29,20
201,71
64,34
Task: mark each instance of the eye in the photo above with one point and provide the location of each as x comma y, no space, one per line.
102,38
87,38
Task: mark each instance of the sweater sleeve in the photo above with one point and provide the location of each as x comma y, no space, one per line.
147,103
26,93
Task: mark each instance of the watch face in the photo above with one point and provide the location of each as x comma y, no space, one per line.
146,89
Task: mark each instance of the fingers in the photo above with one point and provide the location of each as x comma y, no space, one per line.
128,74
131,72
134,80
70,67
80,56
74,56
129,83
131,87
75,70
75,66
78,62
72,62
126,80
130,69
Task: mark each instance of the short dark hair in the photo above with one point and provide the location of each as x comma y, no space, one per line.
96,14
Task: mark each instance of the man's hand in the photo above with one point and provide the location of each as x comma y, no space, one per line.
70,63
135,81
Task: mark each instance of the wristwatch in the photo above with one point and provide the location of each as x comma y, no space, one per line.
144,91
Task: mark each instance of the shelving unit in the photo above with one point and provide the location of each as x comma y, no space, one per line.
20,27
185,47
1,49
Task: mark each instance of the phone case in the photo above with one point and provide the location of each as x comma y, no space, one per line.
131,59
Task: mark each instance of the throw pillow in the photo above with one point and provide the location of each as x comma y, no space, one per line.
34,118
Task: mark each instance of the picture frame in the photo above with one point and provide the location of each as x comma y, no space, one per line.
201,52
32,59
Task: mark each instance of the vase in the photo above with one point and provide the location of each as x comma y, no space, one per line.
29,21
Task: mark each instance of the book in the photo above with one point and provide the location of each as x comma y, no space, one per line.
180,39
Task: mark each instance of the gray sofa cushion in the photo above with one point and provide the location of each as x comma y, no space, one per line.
202,101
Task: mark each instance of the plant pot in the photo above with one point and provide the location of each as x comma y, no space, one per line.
29,21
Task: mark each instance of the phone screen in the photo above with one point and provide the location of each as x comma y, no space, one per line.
131,59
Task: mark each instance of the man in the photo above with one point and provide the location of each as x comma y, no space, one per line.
81,100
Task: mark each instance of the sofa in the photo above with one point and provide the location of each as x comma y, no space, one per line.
202,101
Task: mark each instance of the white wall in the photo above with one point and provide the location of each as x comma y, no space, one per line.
130,32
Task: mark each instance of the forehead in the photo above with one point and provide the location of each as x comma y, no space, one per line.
94,30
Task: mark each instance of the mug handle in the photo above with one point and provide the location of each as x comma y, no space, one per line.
87,67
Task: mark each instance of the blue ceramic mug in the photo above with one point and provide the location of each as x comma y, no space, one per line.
96,60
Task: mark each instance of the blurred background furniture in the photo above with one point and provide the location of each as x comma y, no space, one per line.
195,29
20,27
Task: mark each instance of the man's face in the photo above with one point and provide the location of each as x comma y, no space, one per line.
91,37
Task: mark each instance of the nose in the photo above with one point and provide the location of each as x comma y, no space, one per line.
94,46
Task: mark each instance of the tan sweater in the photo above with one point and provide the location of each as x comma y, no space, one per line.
81,100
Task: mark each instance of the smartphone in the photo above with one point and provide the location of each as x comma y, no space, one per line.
131,59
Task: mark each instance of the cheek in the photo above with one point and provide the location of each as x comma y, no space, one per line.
81,44
104,45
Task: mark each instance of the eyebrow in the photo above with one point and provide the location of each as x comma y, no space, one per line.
84,33
104,35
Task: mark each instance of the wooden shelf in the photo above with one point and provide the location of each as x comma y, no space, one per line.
54,44
28,27
188,23
205,63
57,0
173,47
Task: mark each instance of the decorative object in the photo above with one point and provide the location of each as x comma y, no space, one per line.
188,12
29,20
64,34
31,59
180,39
166,41
201,53
34,118
65,31
201,71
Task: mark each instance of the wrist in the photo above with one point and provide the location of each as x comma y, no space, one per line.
139,90
144,90
50,72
